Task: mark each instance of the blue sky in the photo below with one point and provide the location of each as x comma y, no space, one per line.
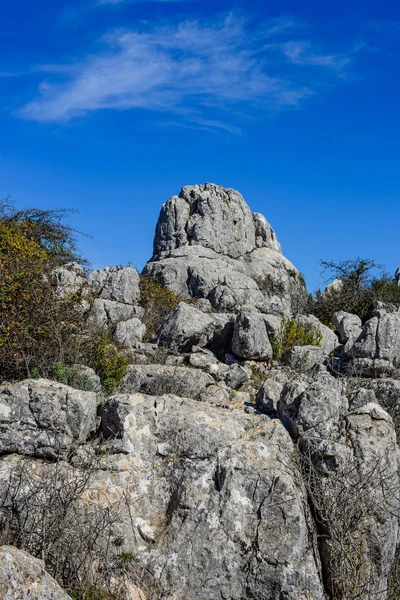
112,106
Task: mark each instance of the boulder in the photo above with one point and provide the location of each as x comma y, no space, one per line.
218,475
156,380
329,338
304,358
44,419
250,338
115,283
129,333
186,327
268,397
348,327
23,577
209,244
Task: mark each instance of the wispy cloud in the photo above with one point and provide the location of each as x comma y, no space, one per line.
193,69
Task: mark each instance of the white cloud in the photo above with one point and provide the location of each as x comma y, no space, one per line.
195,69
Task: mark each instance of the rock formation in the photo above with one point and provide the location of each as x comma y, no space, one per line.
215,470
208,244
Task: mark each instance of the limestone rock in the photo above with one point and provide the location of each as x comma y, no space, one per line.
186,327
209,245
130,333
115,283
217,482
349,328
250,338
44,418
329,338
304,358
156,380
23,577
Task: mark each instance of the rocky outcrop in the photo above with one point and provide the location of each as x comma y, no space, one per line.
23,577
374,348
208,244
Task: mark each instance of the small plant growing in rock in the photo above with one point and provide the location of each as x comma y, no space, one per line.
292,333
109,362
158,301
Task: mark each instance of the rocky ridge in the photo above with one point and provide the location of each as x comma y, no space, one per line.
219,471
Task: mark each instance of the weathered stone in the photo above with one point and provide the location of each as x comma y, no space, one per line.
329,338
235,376
250,338
130,333
219,475
44,419
156,380
365,345
105,313
23,577
209,245
304,358
268,397
186,327
349,328
70,278
116,283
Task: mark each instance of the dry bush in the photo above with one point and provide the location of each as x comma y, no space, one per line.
46,510
344,502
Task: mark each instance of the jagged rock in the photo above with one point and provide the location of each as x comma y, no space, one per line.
329,338
365,345
105,313
115,283
268,397
209,245
23,577
357,450
202,358
235,376
223,502
70,278
130,333
250,338
349,328
304,358
156,380
44,419
86,378
186,327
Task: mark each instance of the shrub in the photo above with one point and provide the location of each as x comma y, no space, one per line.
109,362
292,333
38,328
363,284
158,301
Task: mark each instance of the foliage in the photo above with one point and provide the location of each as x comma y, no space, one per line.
158,301
109,362
363,283
292,333
38,327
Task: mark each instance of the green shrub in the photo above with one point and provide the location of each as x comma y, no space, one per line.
109,362
158,301
292,333
363,284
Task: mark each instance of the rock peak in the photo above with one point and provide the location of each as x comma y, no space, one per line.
214,217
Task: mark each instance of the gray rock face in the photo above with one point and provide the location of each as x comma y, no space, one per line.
23,577
357,450
250,338
349,328
44,419
129,333
376,350
222,476
329,338
304,358
156,380
209,245
186,327
116,283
